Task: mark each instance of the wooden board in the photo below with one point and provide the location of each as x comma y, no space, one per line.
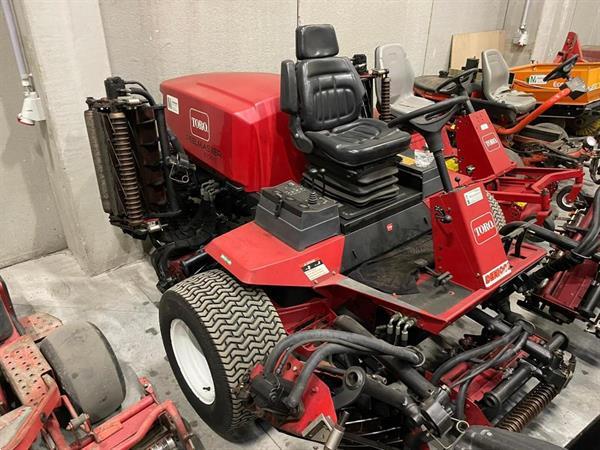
469,45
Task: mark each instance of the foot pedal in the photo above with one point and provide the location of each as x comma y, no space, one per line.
439,279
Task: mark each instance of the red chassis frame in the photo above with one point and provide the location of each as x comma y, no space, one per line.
522,192
565,290
41,393
256,257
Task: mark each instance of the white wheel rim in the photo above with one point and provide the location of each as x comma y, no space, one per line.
192,362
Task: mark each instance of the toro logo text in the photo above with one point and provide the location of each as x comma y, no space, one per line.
200,124
483,228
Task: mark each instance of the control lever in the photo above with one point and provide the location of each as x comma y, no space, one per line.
312,197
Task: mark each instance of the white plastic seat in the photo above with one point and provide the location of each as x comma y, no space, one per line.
402,77
495,83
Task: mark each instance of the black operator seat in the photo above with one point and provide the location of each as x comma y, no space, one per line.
323,95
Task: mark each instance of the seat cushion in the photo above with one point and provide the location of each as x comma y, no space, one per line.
360,142
409,104
520,100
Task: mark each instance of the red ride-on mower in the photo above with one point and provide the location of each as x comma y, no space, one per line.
62,388
311,315
514,113
524,193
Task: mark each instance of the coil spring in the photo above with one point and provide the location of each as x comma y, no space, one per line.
385,112
528,408
126,168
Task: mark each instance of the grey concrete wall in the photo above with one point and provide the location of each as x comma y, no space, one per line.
153,41
514,54
450,17
558,17
29,221
65,45
586,21
363,25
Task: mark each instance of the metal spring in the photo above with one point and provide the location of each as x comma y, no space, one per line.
528,408
385,112
126,168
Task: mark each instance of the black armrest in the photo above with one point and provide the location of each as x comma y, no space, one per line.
301,141
289,91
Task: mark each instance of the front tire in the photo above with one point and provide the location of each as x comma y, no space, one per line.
214,331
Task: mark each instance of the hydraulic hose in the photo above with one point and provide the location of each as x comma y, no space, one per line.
407,374
563,242
497,326
324,351
409,355
143,93
584,249
474,353
502,356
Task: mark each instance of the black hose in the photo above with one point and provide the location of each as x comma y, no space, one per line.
138,83
563,242
497,326
499,358
143,93
502,356
474,353
584,249
590,242
410,355
324,351
405,373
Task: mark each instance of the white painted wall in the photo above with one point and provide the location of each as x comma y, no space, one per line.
29,220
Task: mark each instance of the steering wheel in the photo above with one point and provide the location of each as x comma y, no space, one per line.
431,118
457,84
563,70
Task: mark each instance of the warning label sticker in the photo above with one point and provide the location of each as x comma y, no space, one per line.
315,269
473,196
173,104
496,274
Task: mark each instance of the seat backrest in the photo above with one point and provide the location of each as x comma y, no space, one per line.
495,73
330,91
402,77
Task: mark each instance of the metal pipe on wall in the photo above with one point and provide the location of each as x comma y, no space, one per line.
32,110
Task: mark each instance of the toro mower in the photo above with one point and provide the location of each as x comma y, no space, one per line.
317,267
514,113
62,388
476,149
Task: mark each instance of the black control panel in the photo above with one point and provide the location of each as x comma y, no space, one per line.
297,215
425,180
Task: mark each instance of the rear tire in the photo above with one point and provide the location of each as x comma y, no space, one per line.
86,368
214,331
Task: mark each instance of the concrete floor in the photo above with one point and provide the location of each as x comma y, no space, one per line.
122,303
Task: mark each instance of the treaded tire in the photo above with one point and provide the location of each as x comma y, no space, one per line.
497,213
235,326
86,368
